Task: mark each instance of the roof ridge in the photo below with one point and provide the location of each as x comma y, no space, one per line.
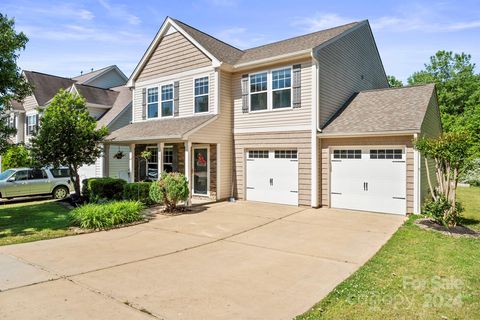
83,74
48,74
304,35
396,88
209,35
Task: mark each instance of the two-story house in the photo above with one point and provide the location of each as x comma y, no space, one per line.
305,121
107,98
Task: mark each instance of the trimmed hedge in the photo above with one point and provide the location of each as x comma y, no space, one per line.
96,189
107,215
138,191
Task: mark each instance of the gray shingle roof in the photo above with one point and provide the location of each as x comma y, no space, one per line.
96,95
383,110
124,98
17,106
46,85
89,75
229,54
173,128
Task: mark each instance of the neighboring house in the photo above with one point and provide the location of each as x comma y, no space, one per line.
108,100
306,121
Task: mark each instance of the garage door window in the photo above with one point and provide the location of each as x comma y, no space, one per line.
347,154
285,154
258,154
386,154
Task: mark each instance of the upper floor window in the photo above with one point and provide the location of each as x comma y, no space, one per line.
201,95
271,89
258,91
167,100
12,121
152,102
32,124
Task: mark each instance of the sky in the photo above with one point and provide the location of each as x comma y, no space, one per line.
67,37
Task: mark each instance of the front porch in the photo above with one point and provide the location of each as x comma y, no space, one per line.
146,162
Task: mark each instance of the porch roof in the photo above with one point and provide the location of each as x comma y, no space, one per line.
153,130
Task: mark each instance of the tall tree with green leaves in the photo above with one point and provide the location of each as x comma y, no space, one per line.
394,82
12,84
458,90
68,135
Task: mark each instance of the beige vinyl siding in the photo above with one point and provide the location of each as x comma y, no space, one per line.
174,54
299,140
186,94
122,120
30,103
108,80
275,118
327,143
20,136
115,166
342,64
431,127
220,131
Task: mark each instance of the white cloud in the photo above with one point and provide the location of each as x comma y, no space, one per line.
222,3
120,11
240,37
320,21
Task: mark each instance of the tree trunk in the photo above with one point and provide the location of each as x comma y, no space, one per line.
432,191
76,181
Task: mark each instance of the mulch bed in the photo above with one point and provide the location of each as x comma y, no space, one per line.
458,231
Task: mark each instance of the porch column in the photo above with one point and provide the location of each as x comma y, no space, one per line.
131,162
106,160
219,163
188,170
160,147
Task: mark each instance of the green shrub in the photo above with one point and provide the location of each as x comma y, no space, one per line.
169,190
437,209
98,189
16,156
139,191
107,215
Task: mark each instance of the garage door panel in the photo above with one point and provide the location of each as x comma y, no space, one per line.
372,181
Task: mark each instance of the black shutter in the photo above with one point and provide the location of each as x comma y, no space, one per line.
296,88
36,123
176,98
245,93
144,103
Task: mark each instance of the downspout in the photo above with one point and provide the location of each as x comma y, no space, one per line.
314,140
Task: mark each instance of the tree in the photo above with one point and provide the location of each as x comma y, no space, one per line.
394,82
68,136
16,156
451,154
13,85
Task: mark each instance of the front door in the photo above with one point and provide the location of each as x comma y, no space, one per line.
200,170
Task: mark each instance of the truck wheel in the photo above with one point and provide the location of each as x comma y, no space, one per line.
60,192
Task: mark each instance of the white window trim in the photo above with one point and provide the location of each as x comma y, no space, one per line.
270,90
201,146
161,100
169,148
27,131
201,95
147,103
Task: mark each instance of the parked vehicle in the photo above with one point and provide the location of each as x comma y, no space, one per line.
22,182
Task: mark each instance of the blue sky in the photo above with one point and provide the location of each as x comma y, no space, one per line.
69,36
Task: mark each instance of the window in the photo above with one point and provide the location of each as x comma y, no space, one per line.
347,154
201,95
386,154
37,174
31,124
12,121
60,173
258,92
258,154
286,154
168,159
281,89
167,100
152,164
21,175
152,102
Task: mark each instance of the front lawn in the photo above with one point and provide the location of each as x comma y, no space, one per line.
418,274
25,222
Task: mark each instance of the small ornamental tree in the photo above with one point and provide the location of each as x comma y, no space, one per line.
68,136
169,190
450,152
16,156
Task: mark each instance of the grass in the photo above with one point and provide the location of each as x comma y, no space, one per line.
107,215
418,274
32,221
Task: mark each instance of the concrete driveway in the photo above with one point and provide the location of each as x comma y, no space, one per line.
239,260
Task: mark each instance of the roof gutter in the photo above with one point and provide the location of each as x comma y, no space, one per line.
369,134
274,59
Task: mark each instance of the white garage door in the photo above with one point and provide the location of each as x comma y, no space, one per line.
369,179
272,176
